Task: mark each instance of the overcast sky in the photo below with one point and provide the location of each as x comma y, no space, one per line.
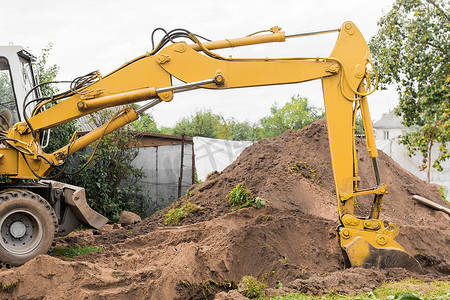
101,35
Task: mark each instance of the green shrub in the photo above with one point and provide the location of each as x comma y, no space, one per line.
259,202
242,197
110,181
251,287
175,215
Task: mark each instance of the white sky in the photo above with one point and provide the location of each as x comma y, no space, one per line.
90,35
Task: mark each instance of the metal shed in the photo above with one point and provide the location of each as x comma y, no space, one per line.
168,162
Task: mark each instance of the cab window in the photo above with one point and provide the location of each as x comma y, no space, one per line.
8,108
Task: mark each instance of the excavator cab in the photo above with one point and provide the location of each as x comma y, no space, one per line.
17,78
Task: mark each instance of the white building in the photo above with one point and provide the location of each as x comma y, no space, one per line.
388,127
386,131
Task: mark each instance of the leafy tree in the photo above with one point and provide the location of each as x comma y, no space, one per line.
47,73
8,108
242,131
207,124
109,179
202,123
61,134
295,114
411,50
359,125
6,91
145,123
231,129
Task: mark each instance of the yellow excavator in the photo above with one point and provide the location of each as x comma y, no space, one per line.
34,213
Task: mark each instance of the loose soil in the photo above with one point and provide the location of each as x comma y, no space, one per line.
292,239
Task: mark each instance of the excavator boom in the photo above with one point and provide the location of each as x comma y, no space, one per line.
345,79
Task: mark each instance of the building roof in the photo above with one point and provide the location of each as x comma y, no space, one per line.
150,139
389,121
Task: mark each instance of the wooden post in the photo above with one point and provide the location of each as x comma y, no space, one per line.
193,163
180,179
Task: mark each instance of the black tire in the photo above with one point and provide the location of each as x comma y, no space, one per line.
28,227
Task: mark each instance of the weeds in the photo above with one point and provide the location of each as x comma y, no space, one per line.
242,197
251,287
239,195
206,289
279,285
302,269
296,167
75,250
175,215
303,169
442,190
7,287
259,202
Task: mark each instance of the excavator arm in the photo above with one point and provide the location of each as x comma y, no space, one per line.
345,79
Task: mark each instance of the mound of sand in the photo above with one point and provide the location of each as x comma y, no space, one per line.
292,239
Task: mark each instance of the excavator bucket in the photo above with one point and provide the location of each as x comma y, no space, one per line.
373,246
69,202
360,253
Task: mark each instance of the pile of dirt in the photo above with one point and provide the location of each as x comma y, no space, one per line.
292,239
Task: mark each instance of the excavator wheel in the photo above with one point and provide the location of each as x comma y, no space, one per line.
28,227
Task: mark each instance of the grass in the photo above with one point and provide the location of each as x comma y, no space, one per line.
411,289
175,215
303,169
75,250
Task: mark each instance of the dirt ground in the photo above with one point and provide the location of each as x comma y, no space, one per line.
291,240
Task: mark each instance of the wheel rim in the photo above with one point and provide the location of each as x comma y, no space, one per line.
21,231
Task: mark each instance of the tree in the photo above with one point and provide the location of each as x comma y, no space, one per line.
47,73
202,123
61,134
109,179
295,114
242,131
6,91
411,50
145,123
205,123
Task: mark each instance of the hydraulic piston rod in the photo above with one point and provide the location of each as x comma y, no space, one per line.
140,94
